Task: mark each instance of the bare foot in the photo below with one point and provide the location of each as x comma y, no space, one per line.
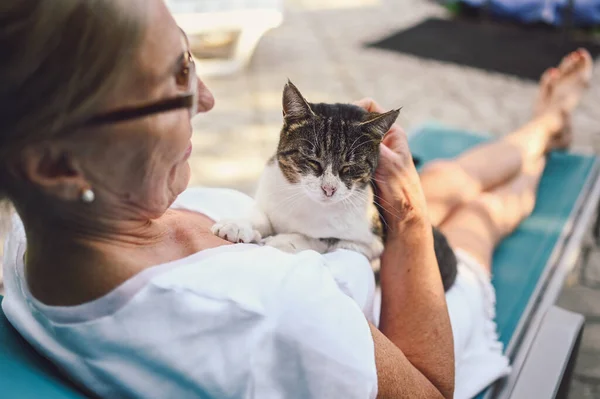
561,90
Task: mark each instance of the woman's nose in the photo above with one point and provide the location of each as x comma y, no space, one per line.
206,101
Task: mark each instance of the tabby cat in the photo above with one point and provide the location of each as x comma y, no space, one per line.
317,192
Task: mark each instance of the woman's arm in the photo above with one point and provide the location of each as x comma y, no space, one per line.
414,317
414,347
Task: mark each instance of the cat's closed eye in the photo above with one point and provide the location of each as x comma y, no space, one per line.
315,165
345,169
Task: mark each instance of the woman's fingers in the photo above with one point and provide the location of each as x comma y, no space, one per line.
369,105
396,137
400,193
386,160
394,151
395,166
397,141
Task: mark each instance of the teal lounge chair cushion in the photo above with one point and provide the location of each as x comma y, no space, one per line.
24,374
520,259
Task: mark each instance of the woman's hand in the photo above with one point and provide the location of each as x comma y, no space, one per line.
400,192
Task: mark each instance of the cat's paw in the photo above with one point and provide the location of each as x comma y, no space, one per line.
290,243
236,231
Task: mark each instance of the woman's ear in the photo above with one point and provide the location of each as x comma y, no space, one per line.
52,170
294,105
379,124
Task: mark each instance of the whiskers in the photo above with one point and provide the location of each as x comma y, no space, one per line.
350,203
379,181
389,208
291,194
290,200
280,188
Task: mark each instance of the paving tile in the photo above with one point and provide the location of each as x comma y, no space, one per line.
588,366
591,338
581,299
584,390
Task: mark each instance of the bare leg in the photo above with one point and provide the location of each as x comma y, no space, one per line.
478,226
448,184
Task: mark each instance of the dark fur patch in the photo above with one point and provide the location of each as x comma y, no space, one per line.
289,168
331,136
446,259
329,241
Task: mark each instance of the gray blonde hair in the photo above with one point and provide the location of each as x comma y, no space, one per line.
59,61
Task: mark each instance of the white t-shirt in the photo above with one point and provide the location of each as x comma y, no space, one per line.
240,321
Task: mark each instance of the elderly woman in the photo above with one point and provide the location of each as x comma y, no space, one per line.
113,274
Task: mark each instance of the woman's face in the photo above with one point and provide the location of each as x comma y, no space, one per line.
141,166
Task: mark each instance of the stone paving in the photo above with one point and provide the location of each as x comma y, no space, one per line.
321,49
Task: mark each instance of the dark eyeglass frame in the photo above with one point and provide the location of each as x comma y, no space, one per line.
129,113
169,104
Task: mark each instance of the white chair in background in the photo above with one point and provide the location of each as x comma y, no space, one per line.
225,33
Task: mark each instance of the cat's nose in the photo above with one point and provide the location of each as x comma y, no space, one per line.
328,190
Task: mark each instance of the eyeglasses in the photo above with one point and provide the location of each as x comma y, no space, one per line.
184,101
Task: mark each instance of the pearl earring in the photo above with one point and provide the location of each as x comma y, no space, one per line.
88,196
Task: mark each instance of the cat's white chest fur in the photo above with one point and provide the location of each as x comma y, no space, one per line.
287,218
291,210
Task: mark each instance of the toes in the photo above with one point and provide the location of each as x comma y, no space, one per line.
227,231
586,62
236,232
562,87
569,62
582,56
576,61
548,79
215,229
546,86
247,235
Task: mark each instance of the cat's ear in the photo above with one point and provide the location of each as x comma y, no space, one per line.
294,105
379,124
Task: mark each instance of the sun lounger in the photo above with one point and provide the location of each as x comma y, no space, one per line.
530,268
